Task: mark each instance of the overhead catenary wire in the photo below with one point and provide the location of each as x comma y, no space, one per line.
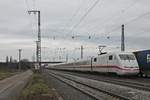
132,20
122,11
82,7
126,23
82,18
27,6
114,15
73,16
110,18
34,4
85,15
31,20
70,21
138,17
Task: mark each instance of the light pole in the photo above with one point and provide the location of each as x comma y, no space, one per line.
82,51
38,51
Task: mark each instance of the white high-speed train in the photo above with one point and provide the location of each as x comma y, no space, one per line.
122,63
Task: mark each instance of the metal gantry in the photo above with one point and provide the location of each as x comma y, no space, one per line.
38,51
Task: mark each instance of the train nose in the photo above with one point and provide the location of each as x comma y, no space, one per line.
130,71
133,71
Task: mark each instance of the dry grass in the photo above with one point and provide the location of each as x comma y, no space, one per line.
36,89
4,73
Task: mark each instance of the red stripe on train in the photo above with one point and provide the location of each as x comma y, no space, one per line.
108,66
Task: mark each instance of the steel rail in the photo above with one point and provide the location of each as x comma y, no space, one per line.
117,96
135,85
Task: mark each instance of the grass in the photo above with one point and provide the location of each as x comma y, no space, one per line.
35,89
4,73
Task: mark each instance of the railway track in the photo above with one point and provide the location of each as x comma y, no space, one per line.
132,84
95,88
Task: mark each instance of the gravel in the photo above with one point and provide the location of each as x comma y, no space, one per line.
67,92
133,94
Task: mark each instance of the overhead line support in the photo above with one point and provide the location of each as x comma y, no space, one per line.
39,37
122,39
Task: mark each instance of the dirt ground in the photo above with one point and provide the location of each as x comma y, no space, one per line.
53,93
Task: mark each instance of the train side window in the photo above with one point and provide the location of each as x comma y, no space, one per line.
110,57
95,59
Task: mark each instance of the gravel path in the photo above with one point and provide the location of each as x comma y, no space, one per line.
10,87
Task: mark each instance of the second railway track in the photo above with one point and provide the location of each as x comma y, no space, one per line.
136,85
100,90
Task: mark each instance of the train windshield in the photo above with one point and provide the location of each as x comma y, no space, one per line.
126,57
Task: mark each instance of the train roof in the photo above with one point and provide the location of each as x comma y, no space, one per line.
105,53
148,50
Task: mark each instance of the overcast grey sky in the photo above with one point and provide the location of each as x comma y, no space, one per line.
58,18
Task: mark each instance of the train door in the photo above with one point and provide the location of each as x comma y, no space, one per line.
109,63
94,63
